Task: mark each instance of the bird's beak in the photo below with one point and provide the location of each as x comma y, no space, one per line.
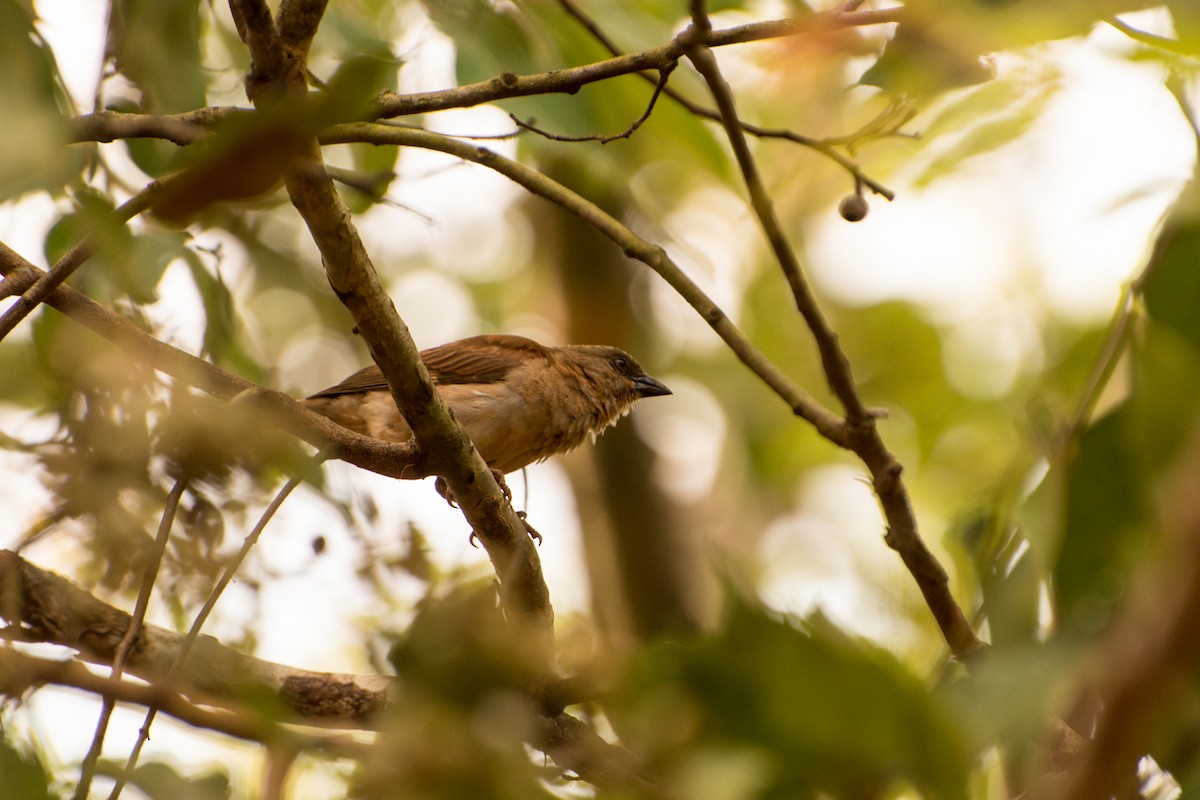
649,387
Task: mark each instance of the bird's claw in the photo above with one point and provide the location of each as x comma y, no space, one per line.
444,490
532,531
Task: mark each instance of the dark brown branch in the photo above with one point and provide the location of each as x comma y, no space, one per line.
298,22
254,24
451,454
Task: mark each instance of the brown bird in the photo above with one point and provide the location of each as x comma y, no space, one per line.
518,400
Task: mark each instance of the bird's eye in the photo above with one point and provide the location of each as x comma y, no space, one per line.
622,364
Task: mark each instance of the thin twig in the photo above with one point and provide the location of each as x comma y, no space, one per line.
660,84
825,146
202,617
837,367
131,633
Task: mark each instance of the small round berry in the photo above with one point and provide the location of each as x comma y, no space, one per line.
853,208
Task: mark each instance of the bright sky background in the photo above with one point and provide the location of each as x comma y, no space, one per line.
1053,223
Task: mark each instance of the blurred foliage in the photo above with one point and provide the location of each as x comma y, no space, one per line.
782,708
159,781
22,771
1044,527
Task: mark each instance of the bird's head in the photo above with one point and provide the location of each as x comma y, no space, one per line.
614,374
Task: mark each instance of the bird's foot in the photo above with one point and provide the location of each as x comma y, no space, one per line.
448,496
532,531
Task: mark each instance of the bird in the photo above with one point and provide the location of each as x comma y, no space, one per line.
519,401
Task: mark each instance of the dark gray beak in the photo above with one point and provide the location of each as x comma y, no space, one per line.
649,387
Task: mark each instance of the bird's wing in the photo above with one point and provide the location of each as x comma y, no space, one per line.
480,359
477,359
368,379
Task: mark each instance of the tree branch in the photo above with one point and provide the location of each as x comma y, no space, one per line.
107,126
449,451
862,433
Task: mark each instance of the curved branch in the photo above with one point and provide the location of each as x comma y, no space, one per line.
45,607
863,434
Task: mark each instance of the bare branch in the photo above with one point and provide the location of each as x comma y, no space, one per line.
44,607
436,434
862,433
130,636
659,85
182,129
298,22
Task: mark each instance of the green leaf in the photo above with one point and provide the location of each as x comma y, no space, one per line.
1104,526
489,38
803,711
22,773
160,781
31,95
1008,577
1002,699
1172,289
1112,480
224,336
1013,109
156,46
